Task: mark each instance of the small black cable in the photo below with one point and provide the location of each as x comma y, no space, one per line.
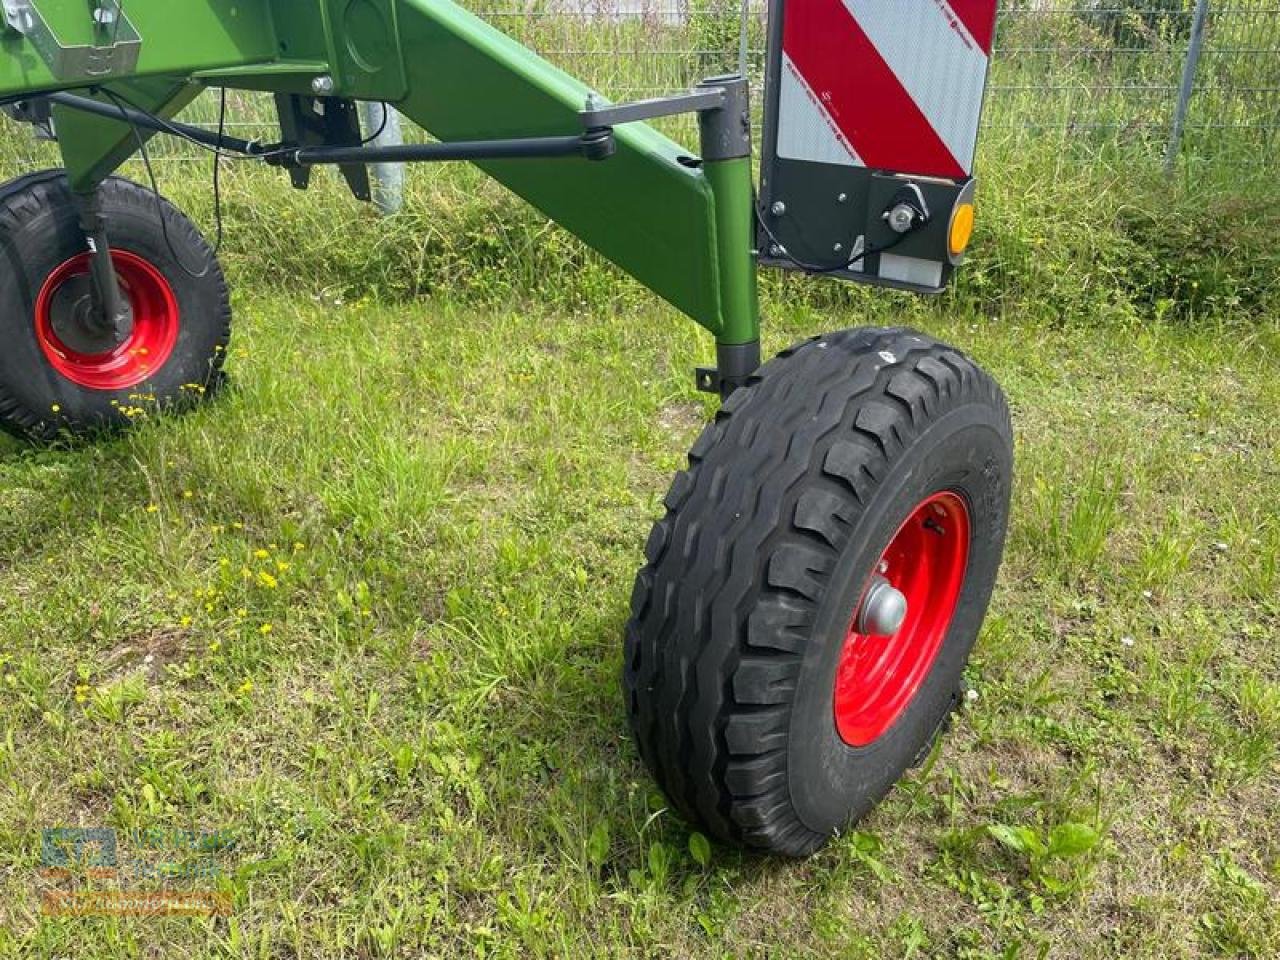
260,155
386,112
155,192
818,268
217,168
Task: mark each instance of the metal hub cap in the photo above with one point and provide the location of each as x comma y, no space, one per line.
902,618
883,609
99,359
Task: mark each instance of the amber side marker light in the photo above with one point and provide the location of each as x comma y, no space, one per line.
961,230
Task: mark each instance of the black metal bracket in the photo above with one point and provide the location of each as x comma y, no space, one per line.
735,363
598,114
322,122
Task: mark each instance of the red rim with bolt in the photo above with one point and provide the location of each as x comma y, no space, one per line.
116,366
879,675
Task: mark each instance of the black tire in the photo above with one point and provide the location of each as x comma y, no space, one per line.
752,577
39,233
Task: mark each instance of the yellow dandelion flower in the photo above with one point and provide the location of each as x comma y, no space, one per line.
187,494
152,508
247,686
185,622
267,580
264,629
215,646
261,554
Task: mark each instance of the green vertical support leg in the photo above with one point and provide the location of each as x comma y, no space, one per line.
726,163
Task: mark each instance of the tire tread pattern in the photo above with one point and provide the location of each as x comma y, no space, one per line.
734,571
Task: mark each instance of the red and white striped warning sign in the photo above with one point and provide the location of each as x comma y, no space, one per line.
890,84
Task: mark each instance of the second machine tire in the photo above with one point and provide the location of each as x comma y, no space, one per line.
59,377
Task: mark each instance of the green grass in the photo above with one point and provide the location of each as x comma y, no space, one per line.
363,612
427,753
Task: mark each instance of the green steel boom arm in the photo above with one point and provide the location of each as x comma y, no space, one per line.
680,226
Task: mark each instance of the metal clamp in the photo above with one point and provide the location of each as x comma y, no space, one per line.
117,55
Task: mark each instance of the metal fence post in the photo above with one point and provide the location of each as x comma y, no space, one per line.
1187,86
387,179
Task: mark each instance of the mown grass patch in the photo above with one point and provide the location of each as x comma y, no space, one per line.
363,611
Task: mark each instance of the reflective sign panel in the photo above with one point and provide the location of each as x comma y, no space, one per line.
863,99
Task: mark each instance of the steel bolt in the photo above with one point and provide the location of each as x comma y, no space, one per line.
775,250
837,248
842,198
901,218
778,208
322,84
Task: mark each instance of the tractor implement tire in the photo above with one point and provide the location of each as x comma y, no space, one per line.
810,599
60,377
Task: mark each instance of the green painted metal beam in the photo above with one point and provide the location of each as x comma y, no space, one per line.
682,230
179,37
93,147
643,208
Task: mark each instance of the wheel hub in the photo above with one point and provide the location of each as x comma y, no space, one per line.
71,317
902,618
86,351
883,609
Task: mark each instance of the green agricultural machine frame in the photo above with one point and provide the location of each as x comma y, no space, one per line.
799,629
681,226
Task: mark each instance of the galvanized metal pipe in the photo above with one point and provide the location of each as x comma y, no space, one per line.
1187,87
387,179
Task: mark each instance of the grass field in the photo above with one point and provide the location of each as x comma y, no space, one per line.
362,613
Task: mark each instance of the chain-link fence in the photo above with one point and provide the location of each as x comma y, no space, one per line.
1091,70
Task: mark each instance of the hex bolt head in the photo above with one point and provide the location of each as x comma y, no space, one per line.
777,208
901,218
837,248
842,198
775,250
322,84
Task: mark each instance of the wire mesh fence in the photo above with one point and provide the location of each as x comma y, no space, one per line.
1091,72
1095,70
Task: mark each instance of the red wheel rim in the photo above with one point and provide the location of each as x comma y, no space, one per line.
144,351
879,675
